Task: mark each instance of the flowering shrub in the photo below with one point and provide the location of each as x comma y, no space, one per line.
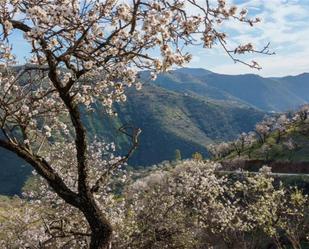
189,206
192,206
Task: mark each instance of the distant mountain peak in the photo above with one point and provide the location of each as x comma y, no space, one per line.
194,71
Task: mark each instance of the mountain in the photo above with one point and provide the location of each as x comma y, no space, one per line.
298,85
14,173
267,94
169,120
185,109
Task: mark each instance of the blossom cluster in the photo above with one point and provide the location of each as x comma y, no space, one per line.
187,206
43,218
193,206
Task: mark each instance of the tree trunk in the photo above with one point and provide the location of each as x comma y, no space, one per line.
99,240
278,137
101,229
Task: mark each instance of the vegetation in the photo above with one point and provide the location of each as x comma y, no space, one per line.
275,139
84,53
170,121
177,155
199,208
85,57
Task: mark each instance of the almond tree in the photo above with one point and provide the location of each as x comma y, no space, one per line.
303,113
84,52
239,143
250,140
280,126
262,130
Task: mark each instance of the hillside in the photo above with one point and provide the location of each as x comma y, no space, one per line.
186,109
169,121
293,145
297,84
14,172
267,94
284,145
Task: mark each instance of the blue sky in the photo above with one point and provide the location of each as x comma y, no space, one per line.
285,23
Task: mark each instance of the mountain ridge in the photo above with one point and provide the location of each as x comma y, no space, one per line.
264,93
185,110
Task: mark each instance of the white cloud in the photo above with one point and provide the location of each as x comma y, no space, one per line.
284,24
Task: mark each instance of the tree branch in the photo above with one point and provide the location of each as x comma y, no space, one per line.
134,140
45,170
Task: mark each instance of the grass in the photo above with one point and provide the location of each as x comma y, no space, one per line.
299,133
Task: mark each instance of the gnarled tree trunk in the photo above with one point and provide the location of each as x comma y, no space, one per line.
101,229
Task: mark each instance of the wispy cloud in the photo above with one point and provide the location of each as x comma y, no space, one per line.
284,24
